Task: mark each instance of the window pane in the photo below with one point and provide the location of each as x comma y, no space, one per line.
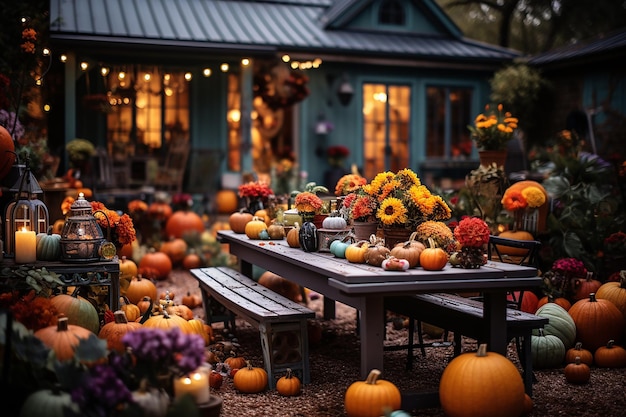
374,125
447,118
435,122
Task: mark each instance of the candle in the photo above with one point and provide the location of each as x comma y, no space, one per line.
25,246
196,384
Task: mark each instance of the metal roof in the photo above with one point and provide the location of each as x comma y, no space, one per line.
590,50
246,26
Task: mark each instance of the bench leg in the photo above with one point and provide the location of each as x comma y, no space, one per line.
285,345
524,352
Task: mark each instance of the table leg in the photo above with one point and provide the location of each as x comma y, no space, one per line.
495,316
372,335
329,308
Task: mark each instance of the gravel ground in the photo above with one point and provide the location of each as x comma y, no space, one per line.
334,365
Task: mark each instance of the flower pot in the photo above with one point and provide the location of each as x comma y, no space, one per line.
395,235
363,230
489,157
318,219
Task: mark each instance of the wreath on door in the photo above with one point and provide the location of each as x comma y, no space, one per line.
281,87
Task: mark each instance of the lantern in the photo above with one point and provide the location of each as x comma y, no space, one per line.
81,236
26,212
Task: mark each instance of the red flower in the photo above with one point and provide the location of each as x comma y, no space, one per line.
472,232
255,189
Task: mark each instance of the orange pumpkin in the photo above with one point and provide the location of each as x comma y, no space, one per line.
409,250
293,236
140,288
226,201
280,285
497,377
236,362
182,222
288,385
200,328
155,264
145,304
517,235
370,398
130,310
597,321
192,260
584,286
128,268
113,331
563,302
238,220
63,338
263,214
433,258
578,351
159,210
167,321
7,152
175,248
250,379
577,372
615,292
610,356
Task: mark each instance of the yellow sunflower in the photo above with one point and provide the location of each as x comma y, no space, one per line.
392,211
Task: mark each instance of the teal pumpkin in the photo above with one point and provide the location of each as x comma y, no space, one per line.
548,351
561,323
48,246
338,248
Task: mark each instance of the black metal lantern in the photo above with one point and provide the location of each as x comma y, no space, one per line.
26,212
81,236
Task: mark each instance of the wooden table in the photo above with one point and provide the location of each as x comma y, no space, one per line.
365,287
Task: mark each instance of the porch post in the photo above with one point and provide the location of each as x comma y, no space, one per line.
246,114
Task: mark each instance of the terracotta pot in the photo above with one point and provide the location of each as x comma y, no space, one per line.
489,157
363,230
394,235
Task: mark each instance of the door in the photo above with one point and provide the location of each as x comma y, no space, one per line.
386,110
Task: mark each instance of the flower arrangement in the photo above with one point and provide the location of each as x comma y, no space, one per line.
493,129
526,201
558,280
348,184
403,201
472,234
308,202
255,189
528,197
121,226
359,206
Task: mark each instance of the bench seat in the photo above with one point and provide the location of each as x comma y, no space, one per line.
464,316
281,322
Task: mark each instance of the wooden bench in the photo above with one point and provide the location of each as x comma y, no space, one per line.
282,323
464,316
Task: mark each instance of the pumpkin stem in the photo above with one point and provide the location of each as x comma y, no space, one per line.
289,374
372,377
120,317
62,324
482,350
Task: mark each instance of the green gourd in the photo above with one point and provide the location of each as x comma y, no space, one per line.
547,350
561,323
48,246
48,403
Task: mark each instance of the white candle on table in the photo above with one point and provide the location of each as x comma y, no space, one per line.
196,384
25,246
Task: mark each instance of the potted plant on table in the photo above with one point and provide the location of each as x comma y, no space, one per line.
491,131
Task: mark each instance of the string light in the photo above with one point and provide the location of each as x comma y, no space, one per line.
224,67
84,65
207,72
63,58
245,62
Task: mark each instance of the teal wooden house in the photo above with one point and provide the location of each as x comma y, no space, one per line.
268,87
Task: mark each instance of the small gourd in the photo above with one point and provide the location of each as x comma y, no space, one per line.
254,228
48,403
338,246
395,264
276,231
289,385
334,222
355,253
153,401
293,238
376,252
48,246
433,258
308,237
